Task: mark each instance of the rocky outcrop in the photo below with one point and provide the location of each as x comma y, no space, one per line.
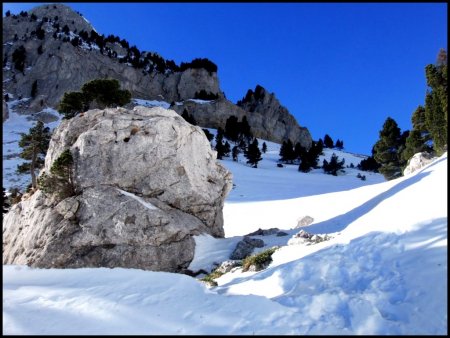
146,182
275,118
59,67
417,162
268,120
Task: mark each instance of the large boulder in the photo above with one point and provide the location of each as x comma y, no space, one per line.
146,182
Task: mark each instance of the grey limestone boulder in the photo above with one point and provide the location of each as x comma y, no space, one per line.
146,182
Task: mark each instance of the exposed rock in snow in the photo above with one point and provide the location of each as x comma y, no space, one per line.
245,247
303,237
304,221
418,161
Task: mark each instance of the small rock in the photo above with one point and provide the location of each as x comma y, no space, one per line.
242,250
255,242
228,266
304,221
265,232
281,233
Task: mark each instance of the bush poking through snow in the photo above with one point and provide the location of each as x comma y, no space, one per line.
209,279
259,261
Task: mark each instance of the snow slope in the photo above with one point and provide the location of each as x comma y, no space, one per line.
12,129
384,270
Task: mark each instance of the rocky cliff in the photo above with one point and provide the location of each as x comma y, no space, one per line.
56,50
146,181
59,66
267,118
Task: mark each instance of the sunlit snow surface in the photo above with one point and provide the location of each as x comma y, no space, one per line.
384,271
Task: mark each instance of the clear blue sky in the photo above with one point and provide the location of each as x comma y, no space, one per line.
339,68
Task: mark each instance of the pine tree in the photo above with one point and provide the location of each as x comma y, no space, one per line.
386,150
105,92
61,178
34,89
334,165
18,57
232,129
72,104
436,102
264,147
226,149
35,145
328,141
309,158
368,164
244,130
339,144
253,154
209,136
287,152
220,147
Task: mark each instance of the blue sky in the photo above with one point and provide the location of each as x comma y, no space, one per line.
339,68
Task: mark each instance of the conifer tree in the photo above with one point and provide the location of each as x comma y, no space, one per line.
333,166
264,147
244,130
220,147
34,145
61,178
253,154
309,158
105,92
232,129
287,153
386,150
34,89
328,141
436,102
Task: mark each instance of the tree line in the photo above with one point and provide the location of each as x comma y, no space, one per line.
429,132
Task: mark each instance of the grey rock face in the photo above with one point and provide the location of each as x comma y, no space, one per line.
61,67
277,118
267,120
147,181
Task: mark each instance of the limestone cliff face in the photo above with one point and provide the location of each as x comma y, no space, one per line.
146,181
266,117
58,66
